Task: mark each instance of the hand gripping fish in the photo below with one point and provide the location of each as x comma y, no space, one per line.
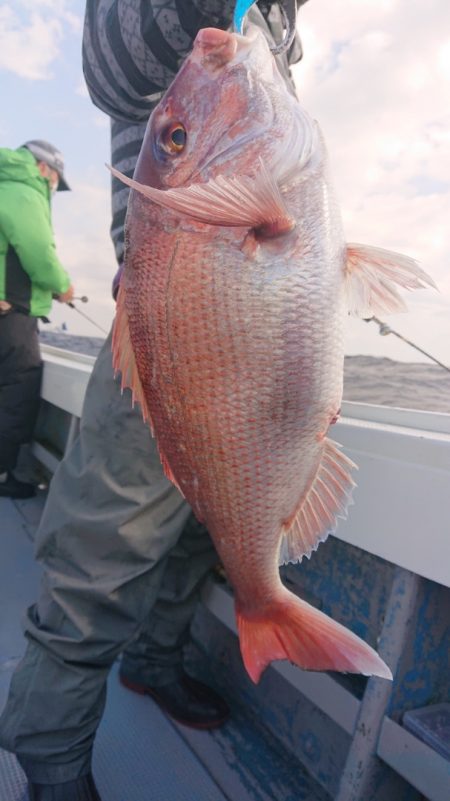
229,331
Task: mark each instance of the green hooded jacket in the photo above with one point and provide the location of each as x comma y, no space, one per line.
30,271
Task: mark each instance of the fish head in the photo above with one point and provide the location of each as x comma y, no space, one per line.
227,109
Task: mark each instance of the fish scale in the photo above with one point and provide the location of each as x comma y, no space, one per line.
256,340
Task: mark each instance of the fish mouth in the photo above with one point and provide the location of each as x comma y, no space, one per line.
215,49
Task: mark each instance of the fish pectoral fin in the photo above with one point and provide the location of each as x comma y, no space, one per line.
327,499
371,275
290,628
237,202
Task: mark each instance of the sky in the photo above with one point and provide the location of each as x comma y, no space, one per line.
376,76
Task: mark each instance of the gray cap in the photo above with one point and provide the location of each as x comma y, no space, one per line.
44,151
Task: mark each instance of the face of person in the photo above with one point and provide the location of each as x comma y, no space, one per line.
51,175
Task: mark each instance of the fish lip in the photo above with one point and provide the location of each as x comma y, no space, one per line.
213,49
218,48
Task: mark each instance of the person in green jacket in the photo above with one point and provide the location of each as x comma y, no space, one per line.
30,276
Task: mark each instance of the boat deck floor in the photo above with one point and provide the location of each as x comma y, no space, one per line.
234,763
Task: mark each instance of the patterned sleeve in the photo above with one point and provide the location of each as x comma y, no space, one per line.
132,49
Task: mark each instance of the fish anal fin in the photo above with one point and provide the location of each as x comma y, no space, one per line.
327,499
292,629
372,275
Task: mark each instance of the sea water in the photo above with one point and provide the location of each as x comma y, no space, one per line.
367,379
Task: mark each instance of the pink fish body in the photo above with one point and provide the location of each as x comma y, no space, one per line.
229,331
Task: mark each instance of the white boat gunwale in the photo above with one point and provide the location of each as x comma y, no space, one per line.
403,458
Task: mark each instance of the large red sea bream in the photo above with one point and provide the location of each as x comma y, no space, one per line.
229,332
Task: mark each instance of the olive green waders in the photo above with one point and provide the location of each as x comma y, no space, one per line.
123,562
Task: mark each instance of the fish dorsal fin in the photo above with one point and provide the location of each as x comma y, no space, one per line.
125,363
237,202
124,360
327,499
371,275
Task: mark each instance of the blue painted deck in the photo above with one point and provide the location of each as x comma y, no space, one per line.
140,755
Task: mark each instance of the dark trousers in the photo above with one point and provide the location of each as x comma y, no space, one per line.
20,381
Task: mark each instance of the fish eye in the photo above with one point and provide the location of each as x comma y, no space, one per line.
173,140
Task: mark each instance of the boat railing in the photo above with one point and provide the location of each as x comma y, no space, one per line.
403,456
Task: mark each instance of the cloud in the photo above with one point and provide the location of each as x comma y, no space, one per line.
31,35
376,87
55,8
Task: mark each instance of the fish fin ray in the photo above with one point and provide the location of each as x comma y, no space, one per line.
372,275
238,201
294,630
327,499
168,470
124,360
124,363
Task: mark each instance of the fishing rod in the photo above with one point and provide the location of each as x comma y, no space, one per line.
85,299
385,329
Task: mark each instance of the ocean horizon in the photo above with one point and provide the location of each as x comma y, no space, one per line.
367,379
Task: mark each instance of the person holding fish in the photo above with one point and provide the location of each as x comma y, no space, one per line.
124,557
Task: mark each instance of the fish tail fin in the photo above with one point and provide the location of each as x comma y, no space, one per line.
296,631
372,275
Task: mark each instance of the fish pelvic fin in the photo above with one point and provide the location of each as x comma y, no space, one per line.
371,278
292,629
327,499
242,202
